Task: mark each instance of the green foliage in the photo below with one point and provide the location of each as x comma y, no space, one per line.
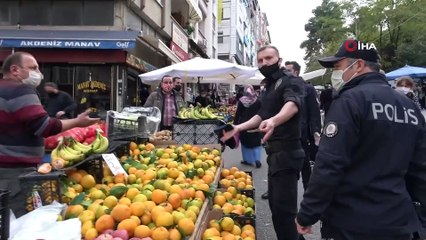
396,27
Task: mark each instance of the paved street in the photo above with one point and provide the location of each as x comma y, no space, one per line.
264,228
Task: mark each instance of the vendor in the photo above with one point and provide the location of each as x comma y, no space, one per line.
203,99
167,100
24,124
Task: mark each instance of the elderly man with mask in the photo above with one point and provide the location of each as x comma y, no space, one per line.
167,100
24,123
358,187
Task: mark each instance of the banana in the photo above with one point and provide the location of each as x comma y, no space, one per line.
97,142
198,114
210,114
192,115
70,157
54,154
103,146
86,149
71,150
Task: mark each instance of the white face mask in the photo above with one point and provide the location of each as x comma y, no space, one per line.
337,77
34,79
403,90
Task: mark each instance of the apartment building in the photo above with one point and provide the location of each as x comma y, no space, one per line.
95,49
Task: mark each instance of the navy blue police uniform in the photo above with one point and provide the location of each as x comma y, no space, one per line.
357,187
284,150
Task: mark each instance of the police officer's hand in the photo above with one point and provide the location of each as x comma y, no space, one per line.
303,230
267,126
317,138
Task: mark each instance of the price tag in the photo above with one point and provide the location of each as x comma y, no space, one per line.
113,164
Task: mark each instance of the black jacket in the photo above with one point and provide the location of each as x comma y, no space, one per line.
311,116
369,139
244,114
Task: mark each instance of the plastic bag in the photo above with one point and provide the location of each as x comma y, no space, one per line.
41,224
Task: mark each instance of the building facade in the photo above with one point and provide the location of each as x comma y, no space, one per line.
95,49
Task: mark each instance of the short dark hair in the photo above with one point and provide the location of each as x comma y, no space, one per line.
51,84
165,77
175,78
296,66
13,59
269,46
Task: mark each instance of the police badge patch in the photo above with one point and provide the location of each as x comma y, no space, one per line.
330,130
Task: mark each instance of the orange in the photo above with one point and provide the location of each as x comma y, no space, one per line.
207,179
104,222
86,226
91,234
75,177
175,200
133,146
120,178
149,147
136,152
132,170
138,208
121,212
125,201
155,212
164,219
174,234
200,194
159,196
142,231
129,225
160,233
146,218
219,200
132,192
88,181
187,226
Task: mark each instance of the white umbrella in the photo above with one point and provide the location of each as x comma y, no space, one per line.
201,69
258,77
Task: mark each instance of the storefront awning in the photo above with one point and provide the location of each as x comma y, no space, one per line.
68,39
159,45
194,11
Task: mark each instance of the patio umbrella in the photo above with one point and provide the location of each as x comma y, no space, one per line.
407,71
201,70
258,77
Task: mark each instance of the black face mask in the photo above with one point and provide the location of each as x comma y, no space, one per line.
178,88
52,94
267,71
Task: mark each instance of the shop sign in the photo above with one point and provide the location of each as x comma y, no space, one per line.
182,55
85,44
138,63
91,86
179,37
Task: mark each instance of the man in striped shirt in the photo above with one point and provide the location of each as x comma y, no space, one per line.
24,123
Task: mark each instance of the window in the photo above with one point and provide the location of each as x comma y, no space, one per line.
66,12
57,12
226,13
220,37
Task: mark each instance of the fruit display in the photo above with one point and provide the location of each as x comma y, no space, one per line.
82,135
198,112
161,196
219,226
232,202
69,151
236,178
164,135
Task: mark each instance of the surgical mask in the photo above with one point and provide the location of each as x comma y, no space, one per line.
267,71
404,90
34,79
337,77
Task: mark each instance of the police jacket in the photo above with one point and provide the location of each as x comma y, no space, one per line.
311,116
368,142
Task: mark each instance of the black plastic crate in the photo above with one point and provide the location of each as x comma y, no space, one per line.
4,214
243,220
121,129
46,186
196,131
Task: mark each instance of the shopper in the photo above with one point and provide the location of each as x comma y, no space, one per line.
167,100
59,104
24,124
248,106
406,86
357,187
279,118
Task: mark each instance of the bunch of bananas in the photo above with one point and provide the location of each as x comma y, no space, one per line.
197,112
65,155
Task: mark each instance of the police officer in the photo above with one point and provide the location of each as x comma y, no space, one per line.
279,118
357,186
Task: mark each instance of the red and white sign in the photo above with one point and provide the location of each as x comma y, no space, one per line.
181,54
179,37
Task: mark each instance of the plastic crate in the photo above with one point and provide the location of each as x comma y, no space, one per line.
4,214
196,131
118,128
47,186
